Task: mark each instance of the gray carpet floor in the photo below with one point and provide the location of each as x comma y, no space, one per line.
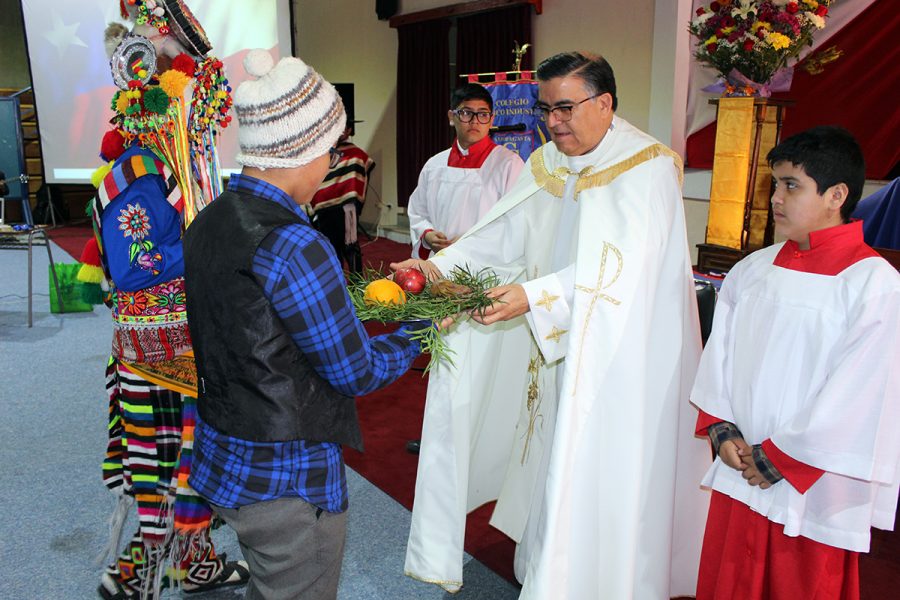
53,505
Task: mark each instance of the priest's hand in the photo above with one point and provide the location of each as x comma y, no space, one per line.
510,301
751,471
730,452
427,267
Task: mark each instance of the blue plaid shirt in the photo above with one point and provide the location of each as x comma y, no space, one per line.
303,280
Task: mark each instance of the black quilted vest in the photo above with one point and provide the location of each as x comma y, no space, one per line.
254,383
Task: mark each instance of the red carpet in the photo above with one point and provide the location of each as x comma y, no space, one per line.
392,416
71,238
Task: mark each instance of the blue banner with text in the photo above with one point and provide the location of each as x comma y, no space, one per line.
513,102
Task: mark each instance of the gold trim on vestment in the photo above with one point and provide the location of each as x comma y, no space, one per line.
439,582
555,183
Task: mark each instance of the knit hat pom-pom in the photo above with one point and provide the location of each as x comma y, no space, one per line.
258,62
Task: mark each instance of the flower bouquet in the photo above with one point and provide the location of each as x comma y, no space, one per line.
408,298
749,42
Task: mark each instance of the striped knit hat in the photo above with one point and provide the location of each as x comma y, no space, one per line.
287,117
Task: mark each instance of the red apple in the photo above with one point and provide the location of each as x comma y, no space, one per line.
411,280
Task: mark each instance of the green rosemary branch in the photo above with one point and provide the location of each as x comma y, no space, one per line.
424,306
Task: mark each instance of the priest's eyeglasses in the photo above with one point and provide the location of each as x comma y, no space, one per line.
562,113
334,157
465,115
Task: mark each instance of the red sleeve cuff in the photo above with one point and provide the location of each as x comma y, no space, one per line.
800,475
704,420
424,251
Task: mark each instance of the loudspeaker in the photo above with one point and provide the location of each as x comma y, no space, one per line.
385,9
345,91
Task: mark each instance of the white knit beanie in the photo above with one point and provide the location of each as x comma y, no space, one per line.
287,117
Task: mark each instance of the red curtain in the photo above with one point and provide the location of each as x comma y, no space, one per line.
423,92
485,41
858,91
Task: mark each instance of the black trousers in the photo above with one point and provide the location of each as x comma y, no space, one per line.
330,222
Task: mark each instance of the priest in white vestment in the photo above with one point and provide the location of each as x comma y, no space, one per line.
459,185
597,479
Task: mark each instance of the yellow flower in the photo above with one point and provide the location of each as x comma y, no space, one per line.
812,4
764,24
122,103
727,30
778,41
173,82
712,40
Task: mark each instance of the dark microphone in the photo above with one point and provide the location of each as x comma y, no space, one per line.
504,128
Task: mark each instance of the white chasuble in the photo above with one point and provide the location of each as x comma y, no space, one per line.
602,467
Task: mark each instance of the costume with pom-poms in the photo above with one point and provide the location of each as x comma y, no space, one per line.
161,170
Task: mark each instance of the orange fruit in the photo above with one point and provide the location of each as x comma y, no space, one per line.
384,291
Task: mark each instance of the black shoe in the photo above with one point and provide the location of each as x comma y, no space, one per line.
412,446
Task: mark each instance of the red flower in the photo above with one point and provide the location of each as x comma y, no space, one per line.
792,7
701,11
748,45
761,32
822,10
712,47
715,6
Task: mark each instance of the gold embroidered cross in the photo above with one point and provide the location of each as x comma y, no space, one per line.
597,293
555,334
547,300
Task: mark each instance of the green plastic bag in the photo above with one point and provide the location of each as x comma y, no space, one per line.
72,291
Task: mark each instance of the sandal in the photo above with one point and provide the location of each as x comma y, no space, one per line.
233,573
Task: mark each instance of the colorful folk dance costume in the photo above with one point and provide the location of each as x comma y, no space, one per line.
457,187
802,363
138,218
339,200
594,481
164,166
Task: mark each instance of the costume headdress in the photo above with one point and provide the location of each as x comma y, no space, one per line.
151,109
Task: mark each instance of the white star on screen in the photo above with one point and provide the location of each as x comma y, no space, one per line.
62,36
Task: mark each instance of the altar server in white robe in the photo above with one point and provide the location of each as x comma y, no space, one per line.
799,388
459,185
601,343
